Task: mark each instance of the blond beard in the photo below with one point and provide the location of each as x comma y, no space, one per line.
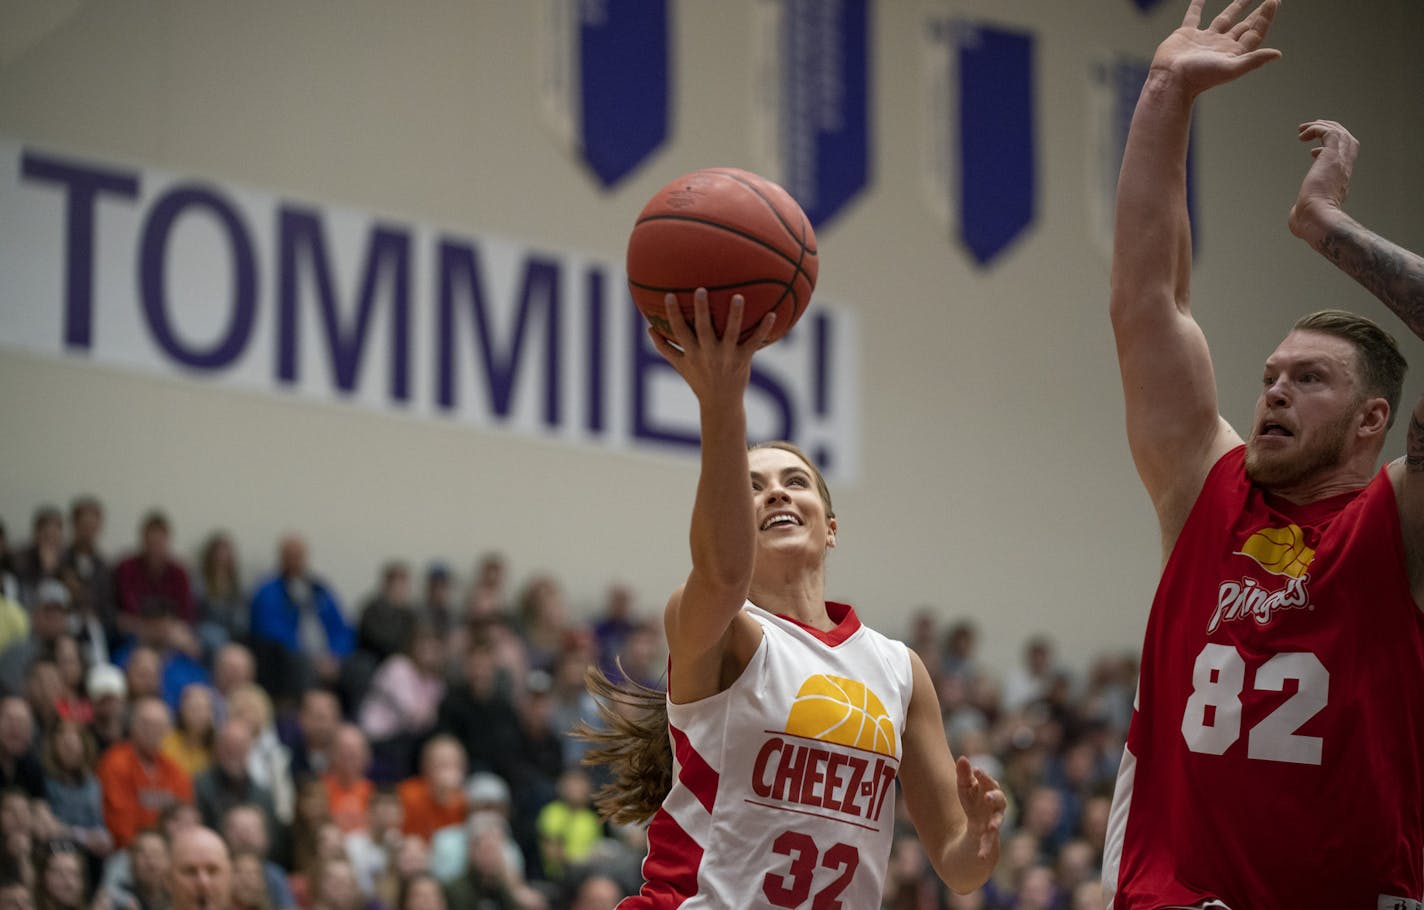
1285,472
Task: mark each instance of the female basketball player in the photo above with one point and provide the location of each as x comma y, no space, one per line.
769,770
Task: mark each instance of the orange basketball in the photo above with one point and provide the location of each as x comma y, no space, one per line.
731,232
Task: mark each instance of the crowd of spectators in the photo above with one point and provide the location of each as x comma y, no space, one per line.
416,752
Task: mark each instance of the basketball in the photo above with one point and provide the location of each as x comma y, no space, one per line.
839,710
731,232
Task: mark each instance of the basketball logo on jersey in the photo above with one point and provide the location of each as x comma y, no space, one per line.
839,751
1281,552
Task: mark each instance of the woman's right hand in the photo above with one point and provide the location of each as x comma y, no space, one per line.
710,365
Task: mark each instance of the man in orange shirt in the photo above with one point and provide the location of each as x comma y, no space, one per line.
348,789
138,780
436,797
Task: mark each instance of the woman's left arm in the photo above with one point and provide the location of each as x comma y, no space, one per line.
957,810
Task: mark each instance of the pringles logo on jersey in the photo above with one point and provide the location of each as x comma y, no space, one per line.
1281,552
840,750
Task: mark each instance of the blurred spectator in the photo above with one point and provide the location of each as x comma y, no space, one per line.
233,666
924,637
143,673
572,704
489,882
249,886
642,659
19,766
613,626
959,656
299,635
108,693
412,858
372,846
40,559
152,578
438,607
402,703
481,716
327,847
174,821
14,621
537,764
221,602
348,789
312,813
543,618
1029,681
137,779
49,619
597,892
569,827
156,628
17,843
73,703
200,873
388,615
318,717
488,596
421,892
226,783
336,888
245,828
14,893
44,689
72,790
436,797
487,796
190,742
88,573
269,762
145,886
60,877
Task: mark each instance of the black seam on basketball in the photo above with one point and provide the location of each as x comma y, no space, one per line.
732,175
710,287
731,230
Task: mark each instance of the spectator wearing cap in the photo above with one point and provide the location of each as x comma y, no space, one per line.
137,779
299,634
19,768
152,578
49,619
108,693
438,608
487,795
436,797
538,761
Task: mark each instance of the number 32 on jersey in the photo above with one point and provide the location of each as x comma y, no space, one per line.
1212,721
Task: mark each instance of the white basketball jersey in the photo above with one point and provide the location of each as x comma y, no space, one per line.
783,792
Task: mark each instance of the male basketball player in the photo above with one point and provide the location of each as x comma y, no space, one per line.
1273,760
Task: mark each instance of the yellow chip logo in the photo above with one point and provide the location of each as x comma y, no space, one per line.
838,710
1281,551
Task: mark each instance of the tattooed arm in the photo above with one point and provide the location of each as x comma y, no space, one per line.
1385,269
1391,273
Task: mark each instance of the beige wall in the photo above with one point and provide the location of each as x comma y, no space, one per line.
995,481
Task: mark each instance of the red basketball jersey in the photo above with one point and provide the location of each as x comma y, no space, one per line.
1274,755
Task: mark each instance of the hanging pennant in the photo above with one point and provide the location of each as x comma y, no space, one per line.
811,127
605,81
980,156
1115,82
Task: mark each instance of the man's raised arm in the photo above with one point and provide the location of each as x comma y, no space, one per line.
1173,422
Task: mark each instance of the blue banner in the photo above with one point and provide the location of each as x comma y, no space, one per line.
605,75
815,115
998,186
